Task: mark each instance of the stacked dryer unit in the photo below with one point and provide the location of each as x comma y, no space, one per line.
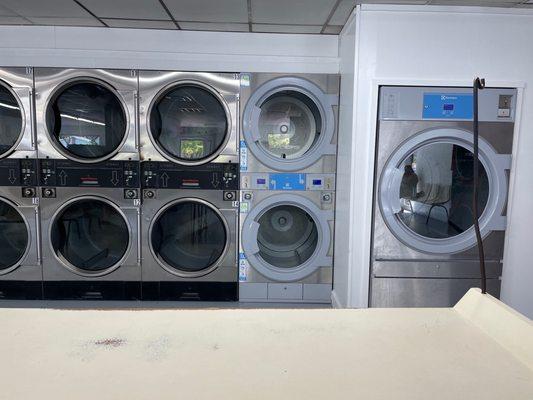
288,165
189,152
20,264
89,182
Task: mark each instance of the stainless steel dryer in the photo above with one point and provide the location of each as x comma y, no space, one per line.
90,230
286,238
86,115
423,245
289,122
20,259
189,118
189,231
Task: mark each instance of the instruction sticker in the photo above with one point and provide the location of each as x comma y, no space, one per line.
245,80
243,268
243,156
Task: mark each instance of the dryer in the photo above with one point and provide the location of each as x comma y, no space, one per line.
289,122
90,222
17,139
189,231
20,256
423,241
189,118
86,115
286,240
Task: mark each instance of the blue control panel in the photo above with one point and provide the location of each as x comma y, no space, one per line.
448,106
287,182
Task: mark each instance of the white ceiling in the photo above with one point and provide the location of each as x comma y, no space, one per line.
280,16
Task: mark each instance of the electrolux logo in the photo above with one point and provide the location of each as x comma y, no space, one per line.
445,98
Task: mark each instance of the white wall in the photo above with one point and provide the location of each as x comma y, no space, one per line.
170,50
427,45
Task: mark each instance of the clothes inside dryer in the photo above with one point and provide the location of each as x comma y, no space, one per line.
289,124
10,120
189,123
13,236
87,120
90,235
189,237
287,236
436,190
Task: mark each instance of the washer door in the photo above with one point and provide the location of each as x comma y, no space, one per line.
11,120
189,237
14,236
189,123
90,236
288,123
426,189
286,237
86,120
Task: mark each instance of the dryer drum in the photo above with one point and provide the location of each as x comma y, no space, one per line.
90,236
189,123
14,237
11,120
189,237
86,120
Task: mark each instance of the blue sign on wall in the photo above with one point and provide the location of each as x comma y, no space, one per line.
287,182
448,106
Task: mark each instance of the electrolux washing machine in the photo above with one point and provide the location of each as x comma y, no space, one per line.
20,257
424,250
289,123
286,238
86,115
17,139
189,118
90,229
189,231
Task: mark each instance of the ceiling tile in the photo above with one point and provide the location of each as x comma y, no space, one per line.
276,28
208,26
135,23
312,12
14,21
475,3
63,21
342,12
46,8
131,9
333,29
209,10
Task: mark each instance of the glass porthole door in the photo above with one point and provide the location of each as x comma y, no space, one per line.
288,123
189,123
11,120
286,237
426,191
189,237
14,236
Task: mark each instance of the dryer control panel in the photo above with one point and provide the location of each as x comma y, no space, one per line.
287,181
18,172
109,174
212,176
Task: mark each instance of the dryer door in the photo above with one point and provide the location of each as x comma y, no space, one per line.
14,236
12,118
189,237
288,123
87,120
287,237
426,188
189,123
90,236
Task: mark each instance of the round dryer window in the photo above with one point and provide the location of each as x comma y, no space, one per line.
86,120
287,237
90,236
189,123
13,236
189,237
289,124
11,120
427,189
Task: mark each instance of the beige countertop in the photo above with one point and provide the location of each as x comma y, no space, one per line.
478,350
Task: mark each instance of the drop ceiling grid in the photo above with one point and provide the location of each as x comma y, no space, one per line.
277,16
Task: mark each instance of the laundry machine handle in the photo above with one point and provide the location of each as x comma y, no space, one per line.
249,239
